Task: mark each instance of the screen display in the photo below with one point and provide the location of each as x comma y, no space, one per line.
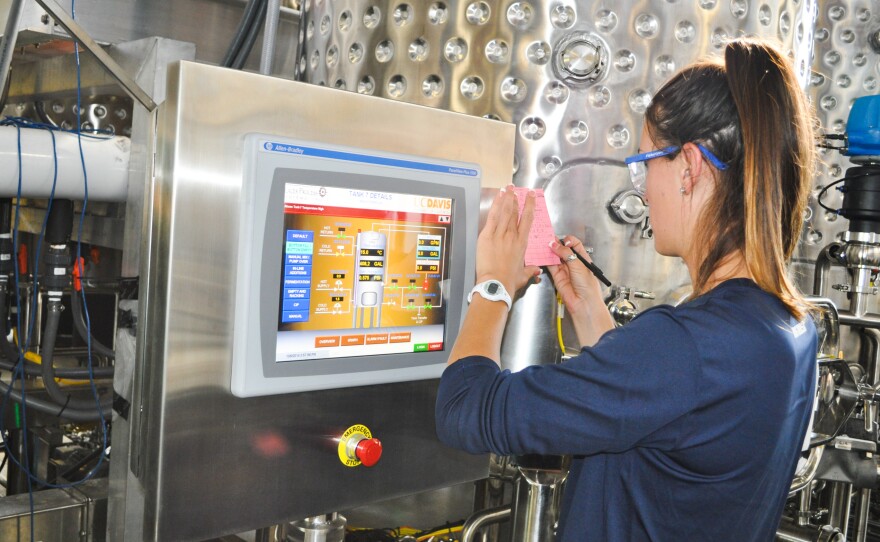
363,273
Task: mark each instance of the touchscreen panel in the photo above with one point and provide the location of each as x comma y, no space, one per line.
363,273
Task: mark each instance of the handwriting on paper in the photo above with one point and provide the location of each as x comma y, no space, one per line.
541,235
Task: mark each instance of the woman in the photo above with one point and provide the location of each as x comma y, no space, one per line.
687,423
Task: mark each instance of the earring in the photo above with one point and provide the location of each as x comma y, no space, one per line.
686,173
682,190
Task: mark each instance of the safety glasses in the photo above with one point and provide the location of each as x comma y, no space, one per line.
638,167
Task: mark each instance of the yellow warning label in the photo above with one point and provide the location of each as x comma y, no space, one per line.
355,433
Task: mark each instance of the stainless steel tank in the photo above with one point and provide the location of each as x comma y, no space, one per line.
575,77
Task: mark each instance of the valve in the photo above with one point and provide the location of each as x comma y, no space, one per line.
59,225
621,307
628,207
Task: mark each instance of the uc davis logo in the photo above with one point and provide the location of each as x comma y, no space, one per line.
269,146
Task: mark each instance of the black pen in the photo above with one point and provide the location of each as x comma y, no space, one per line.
592,267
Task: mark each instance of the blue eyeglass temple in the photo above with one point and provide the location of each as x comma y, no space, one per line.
650,155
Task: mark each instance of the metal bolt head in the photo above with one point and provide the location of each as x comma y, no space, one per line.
580,58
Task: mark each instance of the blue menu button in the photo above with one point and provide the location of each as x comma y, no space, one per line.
288,317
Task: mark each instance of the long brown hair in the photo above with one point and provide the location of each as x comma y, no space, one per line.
750,112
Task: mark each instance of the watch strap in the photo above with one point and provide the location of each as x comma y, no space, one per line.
500,294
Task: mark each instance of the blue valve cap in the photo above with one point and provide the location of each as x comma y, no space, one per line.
863,127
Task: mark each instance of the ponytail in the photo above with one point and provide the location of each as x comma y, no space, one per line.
752,114
778,160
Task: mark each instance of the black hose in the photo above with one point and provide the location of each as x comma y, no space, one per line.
40,109
40,405
47,352
11,354
244,25
53,409
5,216
59,223
79,322
251,38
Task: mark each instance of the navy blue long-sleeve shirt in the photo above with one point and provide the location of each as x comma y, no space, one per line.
685,424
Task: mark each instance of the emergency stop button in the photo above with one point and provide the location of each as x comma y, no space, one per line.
369,450
358,447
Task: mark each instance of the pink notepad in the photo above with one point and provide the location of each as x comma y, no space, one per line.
538,251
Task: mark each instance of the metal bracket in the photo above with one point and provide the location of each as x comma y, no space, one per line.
82,37
7,43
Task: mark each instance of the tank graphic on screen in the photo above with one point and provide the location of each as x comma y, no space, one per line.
371,247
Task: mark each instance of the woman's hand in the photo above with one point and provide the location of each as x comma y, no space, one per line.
501,246
580,291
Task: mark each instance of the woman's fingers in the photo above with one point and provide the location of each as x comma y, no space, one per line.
494,215
576,246
509,214
561,250
526,219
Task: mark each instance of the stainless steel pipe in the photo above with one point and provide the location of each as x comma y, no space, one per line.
276,533
323,528
534,513
484,518
861,531
805,475
870,320
824,261
841,500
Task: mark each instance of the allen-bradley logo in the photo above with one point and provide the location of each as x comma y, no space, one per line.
268,146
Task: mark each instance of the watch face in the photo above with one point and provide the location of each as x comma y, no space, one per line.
492,288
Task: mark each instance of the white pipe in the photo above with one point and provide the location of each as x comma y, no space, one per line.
106,164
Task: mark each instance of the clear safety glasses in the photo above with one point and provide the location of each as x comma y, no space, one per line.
638,167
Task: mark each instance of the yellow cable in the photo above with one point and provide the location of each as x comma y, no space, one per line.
559,310
439,532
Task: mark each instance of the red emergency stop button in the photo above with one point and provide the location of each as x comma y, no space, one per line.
368,451
358,447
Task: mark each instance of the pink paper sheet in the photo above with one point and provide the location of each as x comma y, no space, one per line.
538,251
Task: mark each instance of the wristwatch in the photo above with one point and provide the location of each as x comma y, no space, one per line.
492,290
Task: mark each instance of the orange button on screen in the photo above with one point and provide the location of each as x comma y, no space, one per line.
352,340
400,337
325,342
378,338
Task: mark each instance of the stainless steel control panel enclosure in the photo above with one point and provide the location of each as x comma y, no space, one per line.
206,463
